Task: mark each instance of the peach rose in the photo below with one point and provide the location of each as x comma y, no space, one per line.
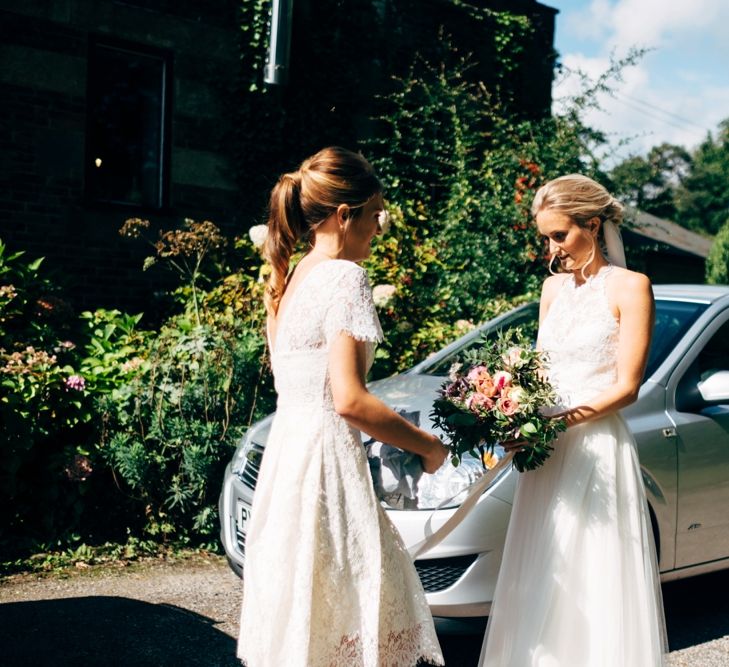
513,356
516,394
483,382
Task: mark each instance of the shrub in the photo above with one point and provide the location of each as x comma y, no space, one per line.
717,263
170,427
461,171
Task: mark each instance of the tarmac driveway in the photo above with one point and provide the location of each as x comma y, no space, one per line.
186,613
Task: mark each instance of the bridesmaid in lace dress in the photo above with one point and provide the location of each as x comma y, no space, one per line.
327,580
578,585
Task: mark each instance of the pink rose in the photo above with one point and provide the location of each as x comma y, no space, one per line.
507,406
477,402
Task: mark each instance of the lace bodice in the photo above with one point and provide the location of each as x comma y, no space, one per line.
334,296
580,336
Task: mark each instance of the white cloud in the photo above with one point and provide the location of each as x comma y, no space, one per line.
677,91
654,22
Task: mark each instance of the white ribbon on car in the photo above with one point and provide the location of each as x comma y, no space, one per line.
614,244
475,491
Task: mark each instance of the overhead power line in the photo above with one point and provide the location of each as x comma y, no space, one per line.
667,121
658,109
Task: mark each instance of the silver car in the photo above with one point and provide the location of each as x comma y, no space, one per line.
680,422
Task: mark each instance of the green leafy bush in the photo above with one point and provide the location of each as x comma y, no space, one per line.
53,365
42,402
461,170
717,263
170,427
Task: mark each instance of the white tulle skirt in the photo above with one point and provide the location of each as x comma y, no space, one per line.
578,585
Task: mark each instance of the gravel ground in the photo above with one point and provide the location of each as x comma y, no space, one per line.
186,613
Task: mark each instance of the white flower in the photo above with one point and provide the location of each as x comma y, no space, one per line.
258,234
382,295
466,325
383,220
453,371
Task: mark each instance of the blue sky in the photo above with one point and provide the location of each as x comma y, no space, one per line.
677,93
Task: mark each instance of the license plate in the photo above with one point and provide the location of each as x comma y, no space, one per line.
243,516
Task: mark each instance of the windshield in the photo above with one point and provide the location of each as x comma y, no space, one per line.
527,318
673,319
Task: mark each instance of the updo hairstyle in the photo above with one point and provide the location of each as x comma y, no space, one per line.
303,199
580,198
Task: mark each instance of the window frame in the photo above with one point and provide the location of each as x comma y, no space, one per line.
112,43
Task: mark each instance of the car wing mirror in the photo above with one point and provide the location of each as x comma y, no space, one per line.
715,388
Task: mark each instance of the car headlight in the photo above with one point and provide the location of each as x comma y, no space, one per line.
448,486
241,454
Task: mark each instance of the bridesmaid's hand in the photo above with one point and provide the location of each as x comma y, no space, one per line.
435,457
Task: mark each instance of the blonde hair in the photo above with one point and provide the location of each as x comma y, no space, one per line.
580,198
301,200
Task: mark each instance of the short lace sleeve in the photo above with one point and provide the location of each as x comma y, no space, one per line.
352,309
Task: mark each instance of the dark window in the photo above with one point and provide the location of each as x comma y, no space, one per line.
713,357
673,319
127,125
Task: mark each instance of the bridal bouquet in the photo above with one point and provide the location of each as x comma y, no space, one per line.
498,394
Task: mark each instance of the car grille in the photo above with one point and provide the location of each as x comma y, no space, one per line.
249,473
240,538
440,573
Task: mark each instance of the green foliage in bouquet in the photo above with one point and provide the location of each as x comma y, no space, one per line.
498,394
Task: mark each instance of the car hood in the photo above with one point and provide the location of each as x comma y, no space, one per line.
410,393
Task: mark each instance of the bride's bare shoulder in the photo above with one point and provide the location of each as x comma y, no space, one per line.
551,284
625,279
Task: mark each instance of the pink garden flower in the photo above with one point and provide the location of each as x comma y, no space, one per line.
75,382
131,365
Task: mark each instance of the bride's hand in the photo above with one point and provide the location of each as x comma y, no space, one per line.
514,445
435,457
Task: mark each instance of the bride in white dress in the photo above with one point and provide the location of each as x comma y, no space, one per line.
327,580
578,585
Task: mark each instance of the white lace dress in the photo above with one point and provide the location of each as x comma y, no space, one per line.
578,585
327,580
